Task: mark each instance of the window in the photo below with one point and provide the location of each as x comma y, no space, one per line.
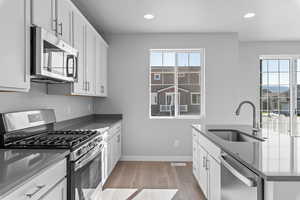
177,77
156,77
195,98
280,94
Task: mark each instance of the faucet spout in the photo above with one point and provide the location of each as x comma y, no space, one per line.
255,127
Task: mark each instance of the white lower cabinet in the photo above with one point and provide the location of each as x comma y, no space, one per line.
206,166
50,184
112,150
59,192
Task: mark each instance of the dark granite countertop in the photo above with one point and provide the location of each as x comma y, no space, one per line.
91,122
275,159
19,165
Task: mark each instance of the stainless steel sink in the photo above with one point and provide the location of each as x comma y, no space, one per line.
235,135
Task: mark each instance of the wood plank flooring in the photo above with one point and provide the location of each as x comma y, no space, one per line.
155,175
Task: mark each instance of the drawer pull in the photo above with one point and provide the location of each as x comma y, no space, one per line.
38,188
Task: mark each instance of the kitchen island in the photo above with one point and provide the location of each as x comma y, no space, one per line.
273,157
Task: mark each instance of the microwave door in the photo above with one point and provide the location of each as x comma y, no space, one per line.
57,62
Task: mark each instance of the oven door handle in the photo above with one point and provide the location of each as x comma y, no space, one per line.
246,180
88,157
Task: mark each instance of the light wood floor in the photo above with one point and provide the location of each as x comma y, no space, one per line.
155,175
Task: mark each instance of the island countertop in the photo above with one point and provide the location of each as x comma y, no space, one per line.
275,159
19,165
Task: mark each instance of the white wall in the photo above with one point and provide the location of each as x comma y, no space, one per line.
250,68
129,86
37,98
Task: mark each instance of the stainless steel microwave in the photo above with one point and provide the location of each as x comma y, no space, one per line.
52,59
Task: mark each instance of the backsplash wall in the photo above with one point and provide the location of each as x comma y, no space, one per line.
66,107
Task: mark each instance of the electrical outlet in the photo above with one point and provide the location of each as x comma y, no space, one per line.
176,143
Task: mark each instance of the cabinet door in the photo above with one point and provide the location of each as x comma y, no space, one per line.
64,17
91,59
103,68
104,164
98,66
119,146
203,175
15,47
214,179
109,157
79,87
195,159
44,14
59,192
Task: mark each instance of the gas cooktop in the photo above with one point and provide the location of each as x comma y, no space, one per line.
54,139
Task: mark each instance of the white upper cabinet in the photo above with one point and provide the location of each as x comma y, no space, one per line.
90,60
79,87
101,67
44,14
55,16
15,45
64,20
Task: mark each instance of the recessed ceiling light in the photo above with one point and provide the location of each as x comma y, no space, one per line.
149,16
249,15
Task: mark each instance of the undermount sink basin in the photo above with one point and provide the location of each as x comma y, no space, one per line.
235,135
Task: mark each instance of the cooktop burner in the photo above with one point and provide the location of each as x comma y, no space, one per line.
56,139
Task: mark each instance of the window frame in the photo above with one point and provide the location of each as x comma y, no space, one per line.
195,93
292,87
201,83
154,76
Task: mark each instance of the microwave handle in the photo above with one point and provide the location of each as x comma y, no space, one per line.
75,62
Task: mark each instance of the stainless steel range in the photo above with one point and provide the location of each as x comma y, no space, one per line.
35,130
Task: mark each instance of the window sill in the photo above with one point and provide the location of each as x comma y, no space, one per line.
192,117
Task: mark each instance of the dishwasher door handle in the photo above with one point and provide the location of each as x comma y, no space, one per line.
246,180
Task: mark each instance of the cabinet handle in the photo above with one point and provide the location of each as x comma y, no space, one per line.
207,164
61,29
88,86
38,188
204,162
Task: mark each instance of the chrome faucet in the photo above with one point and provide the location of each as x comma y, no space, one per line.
255,127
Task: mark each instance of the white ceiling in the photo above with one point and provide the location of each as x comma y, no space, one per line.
275,19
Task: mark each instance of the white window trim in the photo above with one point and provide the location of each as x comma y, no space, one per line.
195,104
202,87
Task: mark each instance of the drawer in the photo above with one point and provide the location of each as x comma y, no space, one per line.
35,188
114,130
209,146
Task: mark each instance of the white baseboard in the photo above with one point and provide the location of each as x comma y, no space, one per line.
158,158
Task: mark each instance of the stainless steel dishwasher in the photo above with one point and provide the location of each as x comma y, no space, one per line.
238,182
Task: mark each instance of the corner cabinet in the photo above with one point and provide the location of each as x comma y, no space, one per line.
15,42
206,166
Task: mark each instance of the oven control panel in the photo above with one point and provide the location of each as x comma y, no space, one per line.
85,148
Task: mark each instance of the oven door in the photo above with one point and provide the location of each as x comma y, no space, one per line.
86,175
